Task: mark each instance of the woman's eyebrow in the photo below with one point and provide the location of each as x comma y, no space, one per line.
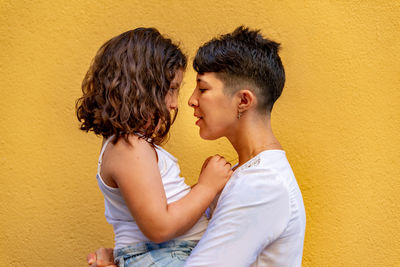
200,80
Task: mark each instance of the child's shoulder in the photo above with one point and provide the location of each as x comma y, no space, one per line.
129,152
133,143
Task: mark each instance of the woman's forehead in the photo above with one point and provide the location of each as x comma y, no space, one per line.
209,78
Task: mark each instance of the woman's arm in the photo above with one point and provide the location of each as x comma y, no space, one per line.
134,169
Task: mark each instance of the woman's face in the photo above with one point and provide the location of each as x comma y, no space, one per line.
216,111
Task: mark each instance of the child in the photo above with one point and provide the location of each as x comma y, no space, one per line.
128,94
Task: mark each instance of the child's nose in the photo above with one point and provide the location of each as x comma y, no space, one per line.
174,105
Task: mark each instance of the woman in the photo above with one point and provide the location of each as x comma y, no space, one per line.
259,218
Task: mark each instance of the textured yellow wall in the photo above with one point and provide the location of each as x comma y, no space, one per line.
338,118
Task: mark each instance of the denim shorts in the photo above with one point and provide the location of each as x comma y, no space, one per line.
171,253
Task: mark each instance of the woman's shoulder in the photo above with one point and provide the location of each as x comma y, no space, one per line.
254,186
265,169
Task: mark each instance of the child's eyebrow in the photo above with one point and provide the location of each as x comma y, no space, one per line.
175,84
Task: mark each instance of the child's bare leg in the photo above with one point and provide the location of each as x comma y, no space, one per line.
103,257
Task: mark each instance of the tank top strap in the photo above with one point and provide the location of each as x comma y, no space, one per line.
102,152
141,135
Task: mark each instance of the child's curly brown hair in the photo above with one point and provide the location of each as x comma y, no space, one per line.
124,89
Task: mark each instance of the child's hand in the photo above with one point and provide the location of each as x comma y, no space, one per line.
215,172
205,163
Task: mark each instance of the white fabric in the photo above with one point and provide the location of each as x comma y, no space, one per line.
118,215
259,219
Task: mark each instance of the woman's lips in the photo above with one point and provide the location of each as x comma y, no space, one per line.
199,118
198,121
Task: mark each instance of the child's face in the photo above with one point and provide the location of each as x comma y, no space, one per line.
216,111
171,99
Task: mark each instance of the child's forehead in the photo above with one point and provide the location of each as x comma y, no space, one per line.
178,77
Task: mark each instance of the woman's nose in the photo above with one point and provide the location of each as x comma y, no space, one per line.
192,101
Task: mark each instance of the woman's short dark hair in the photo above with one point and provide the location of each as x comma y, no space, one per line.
244,58
125,87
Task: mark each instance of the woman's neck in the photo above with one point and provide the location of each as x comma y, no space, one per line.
253,135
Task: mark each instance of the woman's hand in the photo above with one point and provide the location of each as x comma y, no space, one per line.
215,172
103,257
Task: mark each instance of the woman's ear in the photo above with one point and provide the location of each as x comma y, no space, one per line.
246,99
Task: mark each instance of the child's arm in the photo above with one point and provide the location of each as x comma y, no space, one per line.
135,170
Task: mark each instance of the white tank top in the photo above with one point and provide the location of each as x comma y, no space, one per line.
118,215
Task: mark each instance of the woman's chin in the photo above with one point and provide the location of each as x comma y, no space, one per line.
207,136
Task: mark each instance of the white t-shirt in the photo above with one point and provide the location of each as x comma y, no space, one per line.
118,215
259,219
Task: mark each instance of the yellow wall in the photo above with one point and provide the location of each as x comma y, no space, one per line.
338,118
